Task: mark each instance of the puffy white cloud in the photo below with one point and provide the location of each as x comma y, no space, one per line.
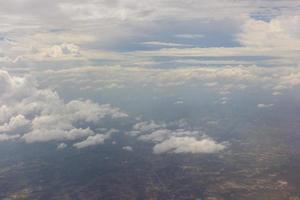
171,140
64,49
280,33
44,135
188,145
39,115
94,140
146,126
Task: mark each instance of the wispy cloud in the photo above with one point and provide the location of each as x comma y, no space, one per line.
167,44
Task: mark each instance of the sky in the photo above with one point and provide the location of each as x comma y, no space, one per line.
67,68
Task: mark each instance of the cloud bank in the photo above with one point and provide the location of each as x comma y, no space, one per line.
39,115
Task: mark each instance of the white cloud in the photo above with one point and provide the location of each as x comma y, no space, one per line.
64,49
94,140
6,137
172,140
261,105
127,148
40,115
62,146
280,33
222,80
16,124
44,135
147,126
188,145
166,44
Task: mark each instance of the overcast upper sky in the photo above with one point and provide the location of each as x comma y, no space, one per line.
159,33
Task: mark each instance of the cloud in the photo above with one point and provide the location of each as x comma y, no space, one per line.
62,146
166,44
44,135
175,137
40,115
261,105
156,136
94,140
58,31
190,36
127,148
279,33
188,145
146,126
222,80
64,49
6,137
16,124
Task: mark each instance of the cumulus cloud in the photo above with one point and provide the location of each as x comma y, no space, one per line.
188,145
280,33
175,138
40,115
16,124
65,49
94,140
145,126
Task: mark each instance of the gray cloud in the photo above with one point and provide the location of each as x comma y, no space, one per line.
261,105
